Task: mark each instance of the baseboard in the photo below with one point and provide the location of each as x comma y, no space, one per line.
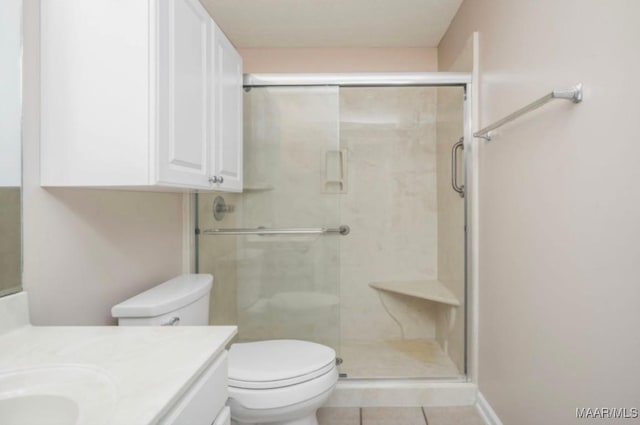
486,411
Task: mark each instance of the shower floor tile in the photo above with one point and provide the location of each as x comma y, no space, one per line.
401,358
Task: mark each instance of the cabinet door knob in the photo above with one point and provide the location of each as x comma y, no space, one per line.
214,179
220,179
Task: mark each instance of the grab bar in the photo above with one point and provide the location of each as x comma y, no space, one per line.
454,167
263,231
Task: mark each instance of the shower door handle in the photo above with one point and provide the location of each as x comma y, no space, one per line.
454,167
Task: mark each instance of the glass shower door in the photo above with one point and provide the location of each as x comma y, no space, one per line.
285,285
390,297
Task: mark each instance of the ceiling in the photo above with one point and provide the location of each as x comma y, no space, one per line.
333,23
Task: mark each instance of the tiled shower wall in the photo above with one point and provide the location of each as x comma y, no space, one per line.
389,198
218,255
288,285
451,245
391,201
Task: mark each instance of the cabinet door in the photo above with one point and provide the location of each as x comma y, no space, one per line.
224,418
227,155
184,94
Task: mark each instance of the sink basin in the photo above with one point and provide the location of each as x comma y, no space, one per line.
56,395
38,409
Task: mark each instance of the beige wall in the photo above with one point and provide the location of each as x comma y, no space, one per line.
86,250
10,242
340,60
558,206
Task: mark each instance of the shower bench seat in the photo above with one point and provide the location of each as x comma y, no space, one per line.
431,290
406,312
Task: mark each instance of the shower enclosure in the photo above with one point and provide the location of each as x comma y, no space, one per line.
350,230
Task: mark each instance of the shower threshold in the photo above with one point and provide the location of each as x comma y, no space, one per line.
402,393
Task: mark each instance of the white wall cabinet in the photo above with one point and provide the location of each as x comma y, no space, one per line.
184,94
138,94
227,155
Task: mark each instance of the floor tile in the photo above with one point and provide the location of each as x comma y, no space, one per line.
339,416
458,415
392,416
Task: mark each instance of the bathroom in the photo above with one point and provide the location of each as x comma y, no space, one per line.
551,222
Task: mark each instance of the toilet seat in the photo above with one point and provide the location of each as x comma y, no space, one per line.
277,363
244,401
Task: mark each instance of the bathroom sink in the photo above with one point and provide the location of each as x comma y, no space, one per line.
38,409
56,395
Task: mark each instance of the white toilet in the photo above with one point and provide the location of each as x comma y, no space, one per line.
277,382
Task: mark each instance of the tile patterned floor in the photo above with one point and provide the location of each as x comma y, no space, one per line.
459,415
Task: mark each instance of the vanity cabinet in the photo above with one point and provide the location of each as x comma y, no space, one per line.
204,402
138,94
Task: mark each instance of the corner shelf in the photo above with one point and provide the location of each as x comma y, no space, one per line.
432,290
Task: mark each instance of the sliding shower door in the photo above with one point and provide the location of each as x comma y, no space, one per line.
402,274
348,231
283,285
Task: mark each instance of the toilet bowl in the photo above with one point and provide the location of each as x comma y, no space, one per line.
274,382
280,382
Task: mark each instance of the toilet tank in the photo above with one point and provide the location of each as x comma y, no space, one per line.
183,300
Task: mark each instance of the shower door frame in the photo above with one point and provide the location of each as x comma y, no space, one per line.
417,79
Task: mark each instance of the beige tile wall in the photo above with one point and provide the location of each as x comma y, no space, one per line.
280,286
451,248
289,288
391,203
218,256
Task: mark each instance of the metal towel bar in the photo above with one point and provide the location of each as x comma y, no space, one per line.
574,94
263,231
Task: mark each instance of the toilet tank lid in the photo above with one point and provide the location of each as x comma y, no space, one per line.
166,297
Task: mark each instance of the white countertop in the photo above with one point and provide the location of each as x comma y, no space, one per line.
151,367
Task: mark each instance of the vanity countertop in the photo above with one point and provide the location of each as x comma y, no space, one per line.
151,367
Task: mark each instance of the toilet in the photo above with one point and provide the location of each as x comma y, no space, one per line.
274,382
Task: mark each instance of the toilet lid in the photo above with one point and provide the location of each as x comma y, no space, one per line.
277,363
